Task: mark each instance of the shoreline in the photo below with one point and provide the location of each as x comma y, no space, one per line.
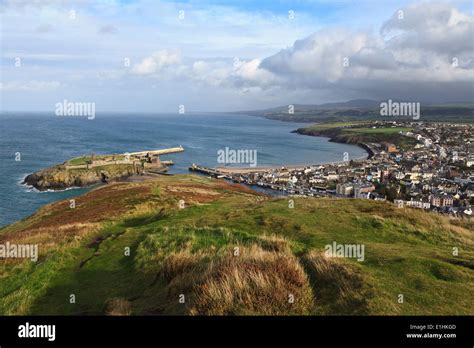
333,138
258,169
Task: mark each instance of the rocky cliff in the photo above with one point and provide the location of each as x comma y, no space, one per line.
58,177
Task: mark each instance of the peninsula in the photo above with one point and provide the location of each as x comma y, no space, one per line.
364,132
93,169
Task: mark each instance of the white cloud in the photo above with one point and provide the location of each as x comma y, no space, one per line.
251,74
411,54
241,75
319,56
210,72
405,58
154,64
436,27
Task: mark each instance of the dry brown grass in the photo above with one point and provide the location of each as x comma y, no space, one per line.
275,243
257,282
50,235
179,265
97,205
49,239
338,283
450,229
56,225
118,307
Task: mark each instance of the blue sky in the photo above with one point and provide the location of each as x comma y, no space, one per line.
149,55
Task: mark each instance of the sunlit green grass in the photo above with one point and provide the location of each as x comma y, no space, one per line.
389,130
407,252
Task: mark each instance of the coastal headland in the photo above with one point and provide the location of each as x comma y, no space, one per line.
93,169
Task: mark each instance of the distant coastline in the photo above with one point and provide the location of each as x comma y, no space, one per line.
362,109
335,139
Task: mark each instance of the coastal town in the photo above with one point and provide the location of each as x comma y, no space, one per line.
431,168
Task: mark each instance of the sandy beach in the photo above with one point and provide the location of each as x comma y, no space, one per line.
243,170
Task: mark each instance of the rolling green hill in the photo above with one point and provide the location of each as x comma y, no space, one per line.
134,248
343,133
362,109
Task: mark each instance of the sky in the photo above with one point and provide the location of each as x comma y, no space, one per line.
209,55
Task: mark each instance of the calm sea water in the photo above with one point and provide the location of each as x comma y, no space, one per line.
45,139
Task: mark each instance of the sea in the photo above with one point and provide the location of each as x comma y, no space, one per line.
33,141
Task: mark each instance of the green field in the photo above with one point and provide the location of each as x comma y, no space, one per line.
355,133
192,252
333,125
453,113
88,159
394,130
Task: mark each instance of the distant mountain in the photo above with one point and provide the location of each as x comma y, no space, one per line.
362,109
355,103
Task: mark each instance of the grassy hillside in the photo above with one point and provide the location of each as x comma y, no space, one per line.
233,251
343,133
369,110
